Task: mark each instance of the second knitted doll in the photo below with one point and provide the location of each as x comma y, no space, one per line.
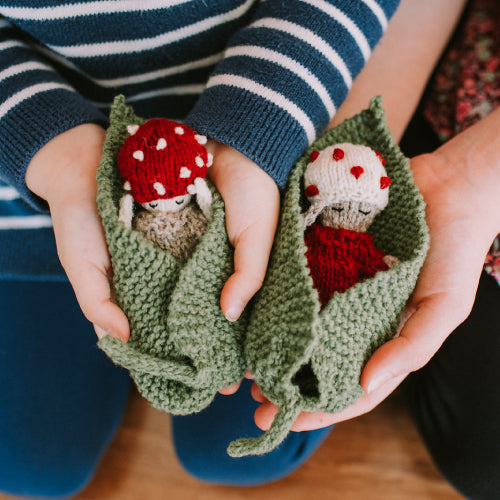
347,187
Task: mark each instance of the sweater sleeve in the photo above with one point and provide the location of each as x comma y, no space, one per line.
285,74
36,104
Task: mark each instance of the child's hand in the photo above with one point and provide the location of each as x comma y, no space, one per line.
252,208
462,223
63,173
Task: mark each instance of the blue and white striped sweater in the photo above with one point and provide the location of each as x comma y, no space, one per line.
262,76
28,250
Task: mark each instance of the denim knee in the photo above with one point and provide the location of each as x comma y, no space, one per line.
214,466
201,440
61,401
55,478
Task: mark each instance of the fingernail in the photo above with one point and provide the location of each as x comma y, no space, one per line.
406,316
234,311
378,382
100,332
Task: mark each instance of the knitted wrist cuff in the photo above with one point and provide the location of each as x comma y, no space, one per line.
267,134
284,75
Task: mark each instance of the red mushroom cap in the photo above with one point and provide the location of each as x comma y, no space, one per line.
161,159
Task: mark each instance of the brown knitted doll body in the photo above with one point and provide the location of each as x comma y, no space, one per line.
174,232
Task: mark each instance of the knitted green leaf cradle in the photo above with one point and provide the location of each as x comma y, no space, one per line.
307,360
182,350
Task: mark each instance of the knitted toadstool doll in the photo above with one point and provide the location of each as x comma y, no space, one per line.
305,357
163,165
347,187
181,350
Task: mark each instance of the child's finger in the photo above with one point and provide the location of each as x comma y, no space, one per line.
93,293
252,204
83,253
264,415
306,421
227,391
257,394
251,255
316,420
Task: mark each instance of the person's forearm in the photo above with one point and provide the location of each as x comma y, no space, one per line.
476,152
403,61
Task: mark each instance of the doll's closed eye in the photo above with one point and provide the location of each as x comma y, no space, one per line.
365,213
179,202
152,205
338,209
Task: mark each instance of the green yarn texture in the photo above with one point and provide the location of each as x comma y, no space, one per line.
181,350
304,359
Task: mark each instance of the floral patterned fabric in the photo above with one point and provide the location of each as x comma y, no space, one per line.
466,86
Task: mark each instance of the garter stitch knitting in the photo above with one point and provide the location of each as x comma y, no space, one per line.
304,359
181,350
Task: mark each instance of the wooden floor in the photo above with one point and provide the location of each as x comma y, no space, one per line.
378,456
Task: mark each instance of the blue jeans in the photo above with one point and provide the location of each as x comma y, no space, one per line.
201,440
62,401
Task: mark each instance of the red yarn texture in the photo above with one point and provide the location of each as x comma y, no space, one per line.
339,258
162,165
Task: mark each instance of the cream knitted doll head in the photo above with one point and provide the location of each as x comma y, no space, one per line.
347,186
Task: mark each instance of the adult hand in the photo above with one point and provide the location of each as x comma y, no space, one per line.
459,196
63,173
252,208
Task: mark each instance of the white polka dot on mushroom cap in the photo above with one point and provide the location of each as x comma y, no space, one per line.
159,188
161,144
199,161
138,155
179,130
201,139
132,129
184,173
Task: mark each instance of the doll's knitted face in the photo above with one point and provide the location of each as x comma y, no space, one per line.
351,215
168,205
